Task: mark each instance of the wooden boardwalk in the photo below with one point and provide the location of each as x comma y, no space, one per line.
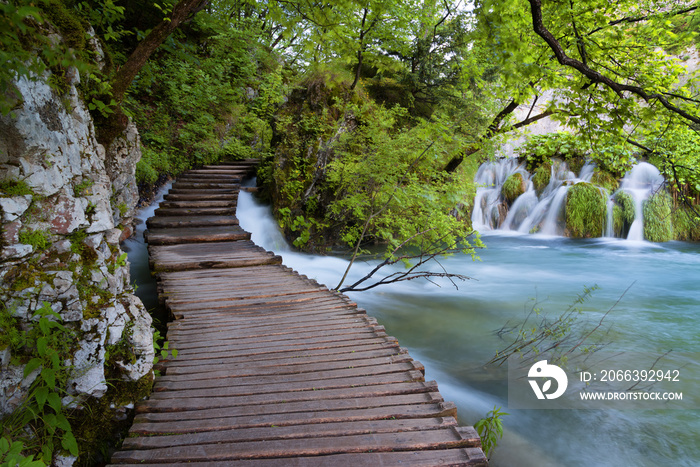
274,369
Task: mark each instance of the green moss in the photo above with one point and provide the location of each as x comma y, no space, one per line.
605,179
38,239
618,221
72,31
626,203
542,176
586,210
98,428
513,187
658,225
15,188
11,333
686,223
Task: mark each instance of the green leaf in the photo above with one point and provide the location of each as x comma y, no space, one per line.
68,442
49,376
33,364
44,326
63,422
41,394
41,344
55,402
4,445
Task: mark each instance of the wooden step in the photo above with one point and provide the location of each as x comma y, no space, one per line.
195,235
164,222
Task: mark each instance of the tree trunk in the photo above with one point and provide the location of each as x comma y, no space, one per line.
110,127
150,43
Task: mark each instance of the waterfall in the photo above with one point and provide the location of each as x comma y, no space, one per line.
543,211
530,211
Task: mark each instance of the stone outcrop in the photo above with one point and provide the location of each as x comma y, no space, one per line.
66,203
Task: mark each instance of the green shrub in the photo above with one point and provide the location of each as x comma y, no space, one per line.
658,226
586,211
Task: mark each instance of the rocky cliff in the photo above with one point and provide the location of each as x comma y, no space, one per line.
66,202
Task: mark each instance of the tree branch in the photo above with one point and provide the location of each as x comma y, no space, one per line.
594,76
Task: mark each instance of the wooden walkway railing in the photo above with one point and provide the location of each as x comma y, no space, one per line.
274,369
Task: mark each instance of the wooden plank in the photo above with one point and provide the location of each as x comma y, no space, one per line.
185,308
291,432
195,234
310,397
316,344
182,257
253,309
280,337
203,185
199,196
240,386
260,315
463,457
331,368
234,175
228,211
310,355
385,442
161,222
205,203
283,341
253,333
295,413
302,322
210,191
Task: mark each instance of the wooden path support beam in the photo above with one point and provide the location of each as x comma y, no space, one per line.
274,369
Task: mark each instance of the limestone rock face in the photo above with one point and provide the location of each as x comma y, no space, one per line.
122,156
64,204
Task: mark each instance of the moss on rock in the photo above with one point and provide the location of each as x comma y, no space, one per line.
542,176
658,225
513,187
586,210
605,179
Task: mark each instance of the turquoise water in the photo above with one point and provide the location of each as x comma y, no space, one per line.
451,331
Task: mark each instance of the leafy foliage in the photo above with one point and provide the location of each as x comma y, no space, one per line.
490,429
43,349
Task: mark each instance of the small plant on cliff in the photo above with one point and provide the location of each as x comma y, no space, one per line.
38,239
41,424
15,188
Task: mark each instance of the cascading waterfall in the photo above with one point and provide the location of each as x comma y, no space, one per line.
641,182
543,212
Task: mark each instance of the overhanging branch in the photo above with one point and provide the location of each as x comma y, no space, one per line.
594,76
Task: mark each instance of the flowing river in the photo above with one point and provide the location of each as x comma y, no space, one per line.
451,331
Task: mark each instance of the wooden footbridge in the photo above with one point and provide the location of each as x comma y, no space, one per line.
274,369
